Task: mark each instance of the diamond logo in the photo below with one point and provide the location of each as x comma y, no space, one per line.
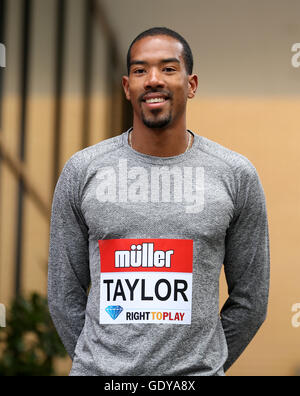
114,311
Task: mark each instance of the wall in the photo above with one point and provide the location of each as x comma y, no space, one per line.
57,99
266,131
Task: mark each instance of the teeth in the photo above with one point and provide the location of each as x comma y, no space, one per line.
155,100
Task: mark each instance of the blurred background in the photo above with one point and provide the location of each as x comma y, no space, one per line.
61,91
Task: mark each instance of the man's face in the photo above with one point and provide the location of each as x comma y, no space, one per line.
158,84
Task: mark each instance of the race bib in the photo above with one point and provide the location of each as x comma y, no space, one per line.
146,281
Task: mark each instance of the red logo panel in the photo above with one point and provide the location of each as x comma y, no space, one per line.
158,255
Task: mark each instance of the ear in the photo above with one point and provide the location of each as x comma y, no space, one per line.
125,83
193,85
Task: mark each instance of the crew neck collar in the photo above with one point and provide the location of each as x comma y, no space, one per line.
160,160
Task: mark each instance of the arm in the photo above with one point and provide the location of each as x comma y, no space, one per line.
246,267
68,267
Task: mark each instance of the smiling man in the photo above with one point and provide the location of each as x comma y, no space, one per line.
159,83
141,226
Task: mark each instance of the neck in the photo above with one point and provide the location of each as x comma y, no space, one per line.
163,142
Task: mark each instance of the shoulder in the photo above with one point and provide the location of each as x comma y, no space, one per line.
78,164
83,158
230,160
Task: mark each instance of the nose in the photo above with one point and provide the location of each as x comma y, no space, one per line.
154,79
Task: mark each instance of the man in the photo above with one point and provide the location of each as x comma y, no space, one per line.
141,226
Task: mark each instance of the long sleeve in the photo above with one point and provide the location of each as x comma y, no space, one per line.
68,266
246,266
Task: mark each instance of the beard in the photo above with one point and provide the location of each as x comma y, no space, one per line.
157,122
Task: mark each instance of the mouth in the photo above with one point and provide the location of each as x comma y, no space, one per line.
154,101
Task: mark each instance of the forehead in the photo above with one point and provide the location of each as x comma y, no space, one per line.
155,48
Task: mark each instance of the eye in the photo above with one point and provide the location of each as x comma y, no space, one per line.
169,69
139,71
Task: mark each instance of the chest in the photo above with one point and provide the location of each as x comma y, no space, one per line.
190,202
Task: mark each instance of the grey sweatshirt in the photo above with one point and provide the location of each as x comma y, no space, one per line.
136,248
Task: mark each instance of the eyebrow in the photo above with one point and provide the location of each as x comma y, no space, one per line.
168,60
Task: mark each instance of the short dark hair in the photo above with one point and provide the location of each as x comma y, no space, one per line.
163,31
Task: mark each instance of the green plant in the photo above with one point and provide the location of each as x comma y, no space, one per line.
29,343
